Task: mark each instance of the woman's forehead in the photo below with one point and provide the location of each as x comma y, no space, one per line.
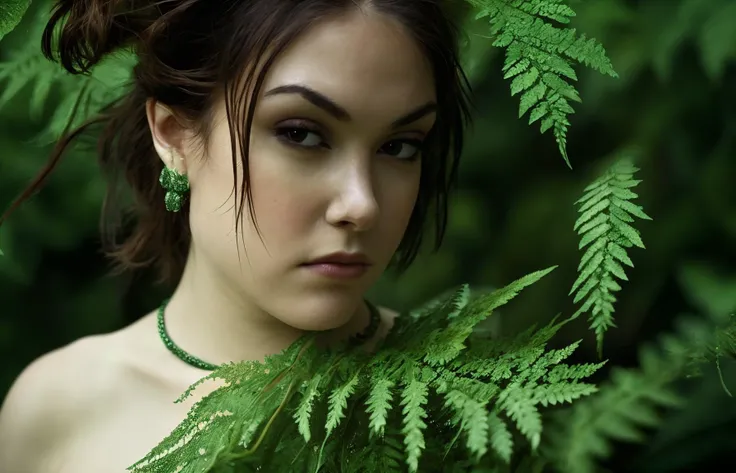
354,59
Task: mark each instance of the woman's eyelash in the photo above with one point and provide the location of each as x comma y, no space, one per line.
306,137
296,136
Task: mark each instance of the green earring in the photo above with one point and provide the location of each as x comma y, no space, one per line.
176,186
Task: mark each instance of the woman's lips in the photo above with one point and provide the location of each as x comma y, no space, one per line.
338,270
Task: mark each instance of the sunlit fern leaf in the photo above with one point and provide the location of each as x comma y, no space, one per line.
379,403
304,411
413,399
11,13
472,418
437,349
224,419
501,296
517,382
572,372
519,403
506,358
606,212
338,401
539,58
444,344
266,411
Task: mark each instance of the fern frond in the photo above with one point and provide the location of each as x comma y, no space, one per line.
89,94
83,95
304,411
242,425
27,67
472,417
572,372
378,404
445,343
518,381
630,400
11,13
338,401
604,226
227,419
413,399
384,454
519,403
539,57
501,439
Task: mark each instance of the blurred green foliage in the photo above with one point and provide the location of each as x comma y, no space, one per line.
512,213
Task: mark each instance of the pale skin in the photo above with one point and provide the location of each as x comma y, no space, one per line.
99,404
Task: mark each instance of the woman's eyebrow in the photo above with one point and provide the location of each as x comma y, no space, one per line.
330,106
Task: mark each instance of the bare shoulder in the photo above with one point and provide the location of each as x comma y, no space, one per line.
47,402
388,315
388,318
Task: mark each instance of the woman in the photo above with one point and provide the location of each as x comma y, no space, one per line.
282,154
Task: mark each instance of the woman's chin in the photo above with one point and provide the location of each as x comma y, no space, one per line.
320,320
322,324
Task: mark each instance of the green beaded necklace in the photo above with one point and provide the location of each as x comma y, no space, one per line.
367,334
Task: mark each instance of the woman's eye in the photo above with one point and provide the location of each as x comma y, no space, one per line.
300,137
402,149
305,138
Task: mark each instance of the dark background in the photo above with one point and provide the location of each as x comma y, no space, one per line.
513,212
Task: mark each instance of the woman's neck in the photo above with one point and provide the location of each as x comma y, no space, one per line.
211,320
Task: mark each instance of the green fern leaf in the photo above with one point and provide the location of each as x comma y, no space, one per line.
501,440
384,454
86,95
338,401
28,67
379,403
446,343
82,95
605,212
413,399
572,373
551,394
519,404
11,13
630,401
473,419
501,296
304,411
539,57
241,426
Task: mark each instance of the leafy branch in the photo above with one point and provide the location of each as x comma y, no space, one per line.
426,373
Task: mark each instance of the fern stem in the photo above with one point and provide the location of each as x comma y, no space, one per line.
284,402
720,375
262,436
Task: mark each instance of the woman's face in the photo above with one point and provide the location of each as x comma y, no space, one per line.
334,167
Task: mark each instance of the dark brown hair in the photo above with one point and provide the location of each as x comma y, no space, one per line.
190,51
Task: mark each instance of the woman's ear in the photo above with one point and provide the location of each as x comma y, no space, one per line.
169,136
